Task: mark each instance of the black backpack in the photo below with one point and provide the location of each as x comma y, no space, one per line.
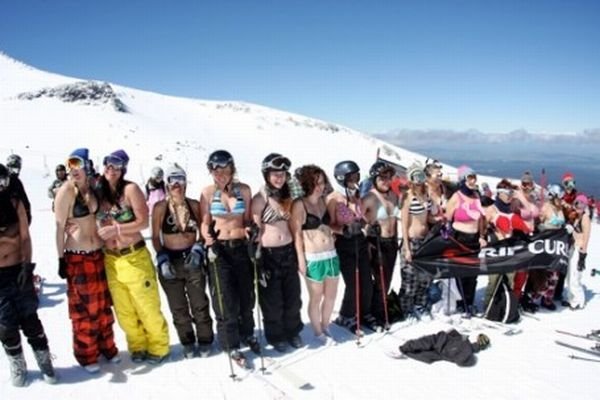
504,306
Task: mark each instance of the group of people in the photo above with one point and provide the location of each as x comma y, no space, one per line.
258,247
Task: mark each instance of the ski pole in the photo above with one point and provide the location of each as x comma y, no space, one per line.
212,257
357,290
255,257
383,286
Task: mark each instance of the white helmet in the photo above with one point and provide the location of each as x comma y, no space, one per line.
156,173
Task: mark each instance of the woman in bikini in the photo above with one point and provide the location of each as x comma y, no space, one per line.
18,300
581,237
417,215
505,222
530,213
382,211
318,261
279,282
81,263
123,214
544,282
175,238
351,245
468,223
226,214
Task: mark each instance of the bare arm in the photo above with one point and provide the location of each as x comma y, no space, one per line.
258,205
586,230
205,216
297,218
62,209
158,214
24,233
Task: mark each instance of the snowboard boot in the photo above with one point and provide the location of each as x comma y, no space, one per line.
204,349
189,351
44,362
296,342
18,369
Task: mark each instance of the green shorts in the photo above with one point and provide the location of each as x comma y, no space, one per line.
320,266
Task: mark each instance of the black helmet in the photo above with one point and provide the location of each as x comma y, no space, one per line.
343,169
219,159
61,167
4,178
380,167
275,162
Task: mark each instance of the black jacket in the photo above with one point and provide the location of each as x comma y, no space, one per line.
448,346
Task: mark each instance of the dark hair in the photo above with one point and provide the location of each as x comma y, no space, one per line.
308,176
505,184
104,193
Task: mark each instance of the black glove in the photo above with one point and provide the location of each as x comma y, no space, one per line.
581,261
25,275
214,234
164,266
374,230
264,275
62,268
352,229
253,231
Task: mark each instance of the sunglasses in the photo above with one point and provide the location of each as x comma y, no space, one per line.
115,163
75,163
527,184
385,178
472,176
278,163
569,184
176,180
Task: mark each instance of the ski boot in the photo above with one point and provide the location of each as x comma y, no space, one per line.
370,322
44,362
18,370
253,344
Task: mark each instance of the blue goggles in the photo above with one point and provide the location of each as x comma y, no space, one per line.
115,163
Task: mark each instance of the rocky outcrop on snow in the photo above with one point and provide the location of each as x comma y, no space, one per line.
84,92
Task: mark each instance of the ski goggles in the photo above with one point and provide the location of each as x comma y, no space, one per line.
277,164
418,177
75,162
4,182
508,192
115,163
14,170
176,180
569,184
219,163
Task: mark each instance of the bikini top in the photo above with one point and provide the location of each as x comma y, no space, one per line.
120,212
169,223
416,207
382,211
530,213
467,211
314,222
271,215
218,208
345,215
508,223
80,208
557,219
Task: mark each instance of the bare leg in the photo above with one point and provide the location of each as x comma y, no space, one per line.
330,286
315,295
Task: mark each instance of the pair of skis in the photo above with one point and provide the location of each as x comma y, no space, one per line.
594,350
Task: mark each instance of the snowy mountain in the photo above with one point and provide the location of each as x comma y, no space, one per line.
43,116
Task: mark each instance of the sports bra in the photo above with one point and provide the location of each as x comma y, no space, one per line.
218,209
416,207
169,223
314,222
467,212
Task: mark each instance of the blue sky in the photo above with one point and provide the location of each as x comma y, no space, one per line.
494,66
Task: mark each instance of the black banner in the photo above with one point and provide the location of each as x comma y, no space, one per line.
446,257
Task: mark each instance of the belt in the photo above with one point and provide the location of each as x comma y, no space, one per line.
231,243
82,252
126,250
